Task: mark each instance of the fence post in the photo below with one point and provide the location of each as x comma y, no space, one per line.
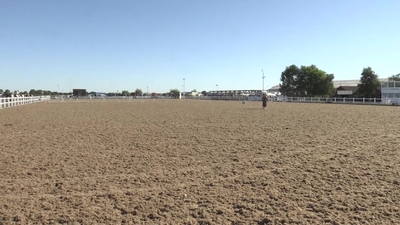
344,100
353,100
374,100
334,100
364,100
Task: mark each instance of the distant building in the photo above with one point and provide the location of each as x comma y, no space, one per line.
390,91
235,93
346,91
79,92
274,89
98,94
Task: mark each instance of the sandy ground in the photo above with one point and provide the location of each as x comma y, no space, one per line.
199,162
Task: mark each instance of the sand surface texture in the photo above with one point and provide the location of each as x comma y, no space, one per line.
199,162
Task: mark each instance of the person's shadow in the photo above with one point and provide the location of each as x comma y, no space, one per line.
265,221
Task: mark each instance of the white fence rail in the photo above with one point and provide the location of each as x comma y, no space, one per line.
9,102
17,101
375,101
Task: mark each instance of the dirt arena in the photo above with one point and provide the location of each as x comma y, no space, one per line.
199,162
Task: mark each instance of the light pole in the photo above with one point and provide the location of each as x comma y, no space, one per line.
263,80
183,87
217,88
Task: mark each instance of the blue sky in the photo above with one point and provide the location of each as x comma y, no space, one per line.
105,45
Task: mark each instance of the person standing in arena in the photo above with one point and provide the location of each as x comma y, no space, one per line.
264,101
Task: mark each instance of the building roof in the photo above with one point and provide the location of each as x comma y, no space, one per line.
345,83
347,88
274,87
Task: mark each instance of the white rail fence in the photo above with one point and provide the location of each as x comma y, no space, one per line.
374,101
17,101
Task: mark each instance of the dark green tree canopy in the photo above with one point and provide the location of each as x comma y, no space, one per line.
395,77
7,93
369,83
288,85
306,81
125,93
174,92
138,92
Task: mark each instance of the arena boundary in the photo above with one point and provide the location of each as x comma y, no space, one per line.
8,102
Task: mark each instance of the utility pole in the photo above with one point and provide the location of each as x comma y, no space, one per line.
263,80
183,87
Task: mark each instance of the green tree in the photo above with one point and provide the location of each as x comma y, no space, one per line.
1,91
395,77
7,93
175,92
138,92
306,81
288,81
32,92
369,83
326,86
125,93
204,93
312,81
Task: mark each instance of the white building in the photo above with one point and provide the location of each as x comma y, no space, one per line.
390,91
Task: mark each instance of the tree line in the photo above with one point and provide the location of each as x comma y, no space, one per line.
33,92
139,92
310,81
